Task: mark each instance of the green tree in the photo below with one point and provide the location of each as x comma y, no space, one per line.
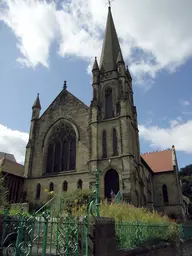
186,171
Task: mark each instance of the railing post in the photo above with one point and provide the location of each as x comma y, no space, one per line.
5,215
46,217
19,232
97,178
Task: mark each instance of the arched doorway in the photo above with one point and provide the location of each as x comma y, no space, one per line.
111,182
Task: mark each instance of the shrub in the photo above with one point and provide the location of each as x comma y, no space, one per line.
77,200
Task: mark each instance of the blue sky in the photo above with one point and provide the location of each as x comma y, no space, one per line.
44,43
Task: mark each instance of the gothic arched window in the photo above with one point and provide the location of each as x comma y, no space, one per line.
115,152
165,194
50,159
57,157
80,184
104,144
51,187
108,103
65,186
62,149
38,191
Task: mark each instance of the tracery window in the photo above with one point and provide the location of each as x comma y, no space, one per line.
165,194
65,186
115,153
38,191
109,103
61,154
104,144
80,184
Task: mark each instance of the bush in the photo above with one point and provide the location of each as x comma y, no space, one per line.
77,199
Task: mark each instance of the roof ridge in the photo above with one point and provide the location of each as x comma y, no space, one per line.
156,151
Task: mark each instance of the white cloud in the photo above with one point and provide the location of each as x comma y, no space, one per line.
157,30
13,142
185,102
178,134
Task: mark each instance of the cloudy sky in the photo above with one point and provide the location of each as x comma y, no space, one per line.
43,43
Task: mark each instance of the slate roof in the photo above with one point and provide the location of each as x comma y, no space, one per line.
9,165
7,156
111,46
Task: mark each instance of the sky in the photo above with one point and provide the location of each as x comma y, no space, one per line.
43,43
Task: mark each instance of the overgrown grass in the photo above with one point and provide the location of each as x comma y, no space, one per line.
124,212
135,226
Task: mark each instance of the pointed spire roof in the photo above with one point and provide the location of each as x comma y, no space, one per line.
111,46
128,73
95,65
120,58
37,103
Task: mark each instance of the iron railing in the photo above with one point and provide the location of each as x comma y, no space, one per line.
131,235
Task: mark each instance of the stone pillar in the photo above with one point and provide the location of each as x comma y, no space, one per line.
102,236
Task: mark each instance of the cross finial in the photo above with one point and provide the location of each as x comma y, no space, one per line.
65,85
109,2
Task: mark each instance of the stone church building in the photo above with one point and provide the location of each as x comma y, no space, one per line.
70,140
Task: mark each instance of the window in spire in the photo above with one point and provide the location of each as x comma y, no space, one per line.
38,191
118,109
57,157
165,194
108,103
115,152
104,144
50,159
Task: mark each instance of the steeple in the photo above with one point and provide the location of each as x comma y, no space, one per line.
37,103
95,65
36,108
111,46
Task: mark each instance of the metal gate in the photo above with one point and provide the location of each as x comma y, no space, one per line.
44,235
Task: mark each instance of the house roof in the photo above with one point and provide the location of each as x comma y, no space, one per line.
159,161
12,167
7,156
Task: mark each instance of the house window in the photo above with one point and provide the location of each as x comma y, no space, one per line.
65,186
108,103
80,184
38,191
104,144
165,194
115,153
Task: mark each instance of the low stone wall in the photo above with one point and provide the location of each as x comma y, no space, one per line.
102,242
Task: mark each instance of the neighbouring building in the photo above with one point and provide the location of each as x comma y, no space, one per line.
13,174
70,140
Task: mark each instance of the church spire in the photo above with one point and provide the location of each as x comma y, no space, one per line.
37,103
111,46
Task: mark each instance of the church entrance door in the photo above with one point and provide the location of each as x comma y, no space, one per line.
111,182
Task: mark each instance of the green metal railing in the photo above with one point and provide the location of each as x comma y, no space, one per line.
131,235
185,231
44,235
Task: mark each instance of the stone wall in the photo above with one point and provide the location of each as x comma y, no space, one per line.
181,249
102,242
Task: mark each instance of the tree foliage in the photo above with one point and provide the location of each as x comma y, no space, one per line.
186,171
